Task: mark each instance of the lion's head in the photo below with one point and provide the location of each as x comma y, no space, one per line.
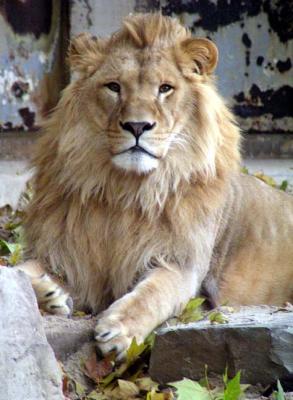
142,111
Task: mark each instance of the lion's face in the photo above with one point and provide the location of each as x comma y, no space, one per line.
137,99
138,105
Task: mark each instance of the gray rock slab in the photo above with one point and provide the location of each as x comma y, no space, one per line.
73,343
66,336
256,340
28,368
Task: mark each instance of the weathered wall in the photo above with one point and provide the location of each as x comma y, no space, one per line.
254,73
254,38
31,65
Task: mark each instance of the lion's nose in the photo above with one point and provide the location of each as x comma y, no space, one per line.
137,128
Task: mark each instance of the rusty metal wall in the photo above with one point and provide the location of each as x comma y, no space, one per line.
31,65
254,38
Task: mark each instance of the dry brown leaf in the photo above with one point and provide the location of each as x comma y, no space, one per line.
127,389
97,370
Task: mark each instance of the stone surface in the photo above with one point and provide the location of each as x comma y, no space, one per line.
73,342
14,176
256,340
28,368
66,336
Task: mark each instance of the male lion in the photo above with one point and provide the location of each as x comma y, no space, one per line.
139,201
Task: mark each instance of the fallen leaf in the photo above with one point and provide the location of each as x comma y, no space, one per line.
150,339
265,178
190,390
146,384
127,388
97,370
16,256
79,389
284,185
94,395
153,395
192,311
216,317
134,351
65,387
79,314
3,262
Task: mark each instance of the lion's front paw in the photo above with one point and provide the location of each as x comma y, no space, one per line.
52,297
112,334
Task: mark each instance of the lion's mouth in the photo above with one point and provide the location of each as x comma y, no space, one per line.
138,149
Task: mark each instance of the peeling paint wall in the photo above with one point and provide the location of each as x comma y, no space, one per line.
30,64
255,46
254,38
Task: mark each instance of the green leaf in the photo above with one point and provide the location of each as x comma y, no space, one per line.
244,170
109,378
153,395
134,351
190,390
233,389
16,255
150,339
19,236
216,317
284,185
265,178
79,388
6,246
225,376
279,395
192,311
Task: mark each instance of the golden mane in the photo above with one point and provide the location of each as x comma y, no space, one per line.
71,180
213,155
144,30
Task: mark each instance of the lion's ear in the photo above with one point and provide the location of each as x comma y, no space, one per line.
85,53
203,52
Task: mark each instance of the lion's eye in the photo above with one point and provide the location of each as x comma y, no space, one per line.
114,86
165,88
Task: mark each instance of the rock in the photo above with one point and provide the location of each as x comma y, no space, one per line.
73,343
256,340
28,368
66,336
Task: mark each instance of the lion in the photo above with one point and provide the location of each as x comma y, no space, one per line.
139,200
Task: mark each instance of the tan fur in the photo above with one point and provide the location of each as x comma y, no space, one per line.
150,237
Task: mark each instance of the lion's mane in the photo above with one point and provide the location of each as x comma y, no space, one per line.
99,228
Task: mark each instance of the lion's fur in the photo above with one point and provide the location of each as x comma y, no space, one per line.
103,229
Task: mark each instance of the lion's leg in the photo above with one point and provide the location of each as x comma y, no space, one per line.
51,297
162,294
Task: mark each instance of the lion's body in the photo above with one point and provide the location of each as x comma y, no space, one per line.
252,263
112,221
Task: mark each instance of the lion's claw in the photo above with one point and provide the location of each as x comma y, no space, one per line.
111,335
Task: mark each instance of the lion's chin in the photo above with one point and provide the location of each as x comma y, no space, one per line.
135,162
